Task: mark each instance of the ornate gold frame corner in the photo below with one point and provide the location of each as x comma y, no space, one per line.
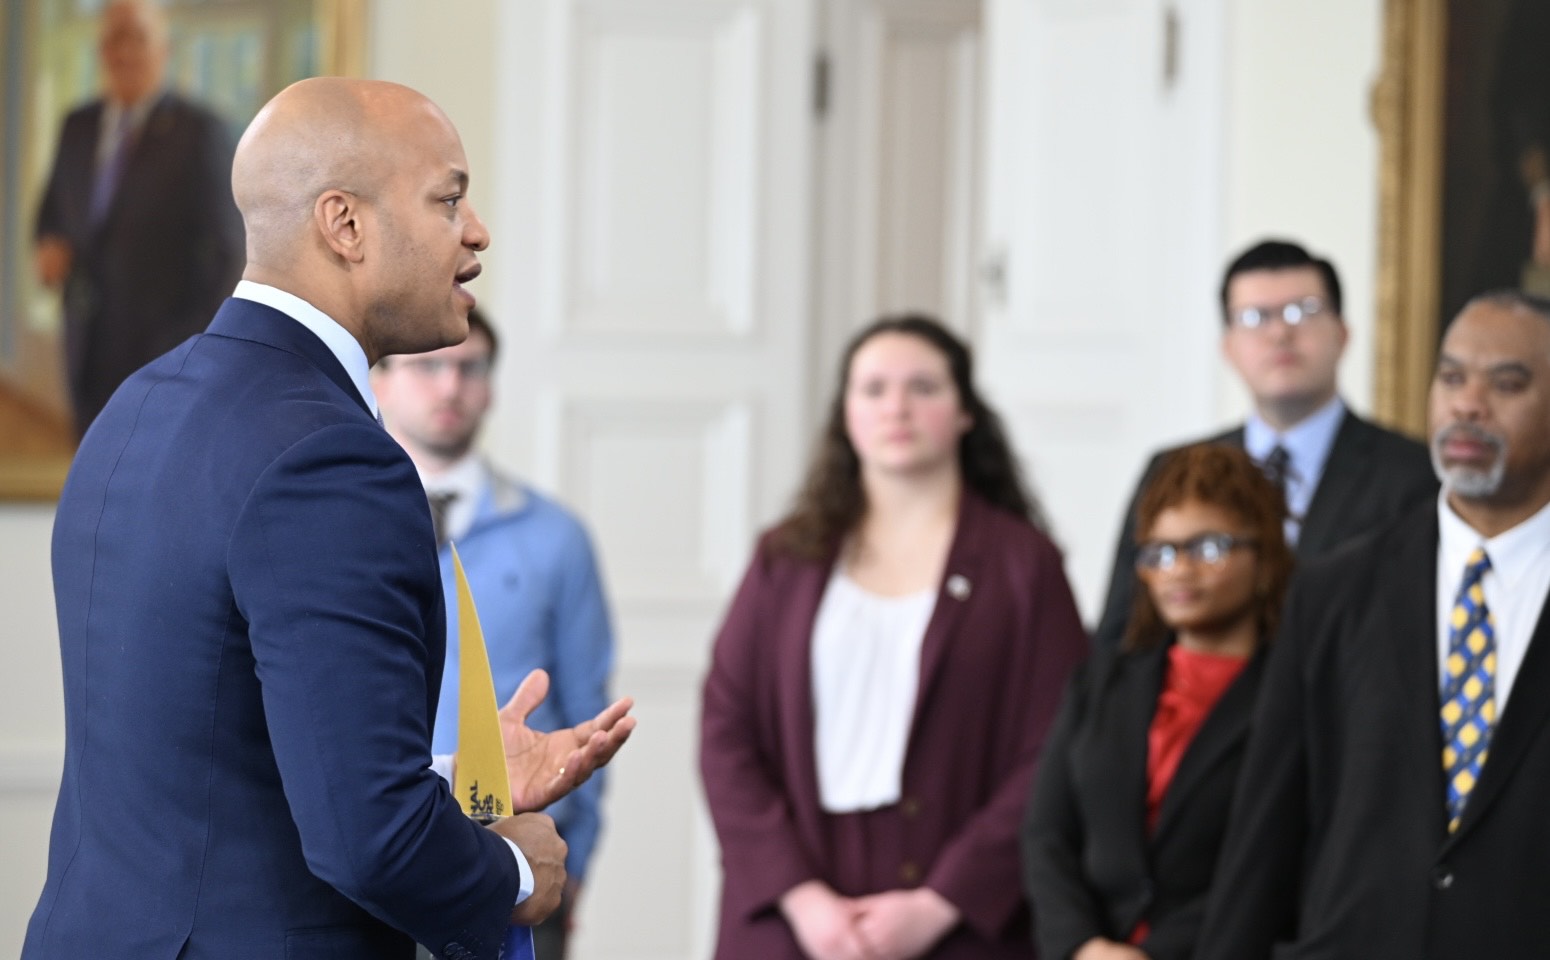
342,26
1408,112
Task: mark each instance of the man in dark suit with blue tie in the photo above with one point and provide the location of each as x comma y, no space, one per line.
1283,332
250,609
137,226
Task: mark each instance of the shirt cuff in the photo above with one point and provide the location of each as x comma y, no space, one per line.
441,764
525,885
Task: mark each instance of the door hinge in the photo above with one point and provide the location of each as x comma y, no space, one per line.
821,85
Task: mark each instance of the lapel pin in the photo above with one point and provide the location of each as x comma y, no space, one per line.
958,587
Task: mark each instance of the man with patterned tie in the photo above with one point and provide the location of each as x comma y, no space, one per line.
137,226
1395,792
529,562
1283,333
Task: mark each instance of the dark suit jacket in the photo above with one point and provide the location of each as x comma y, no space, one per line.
168,251
1338,847
1089,866
252,633
1372,476
993,664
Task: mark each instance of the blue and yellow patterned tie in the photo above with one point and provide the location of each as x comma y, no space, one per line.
1468,688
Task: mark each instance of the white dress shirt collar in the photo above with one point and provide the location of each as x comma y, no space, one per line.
1515,586
467,479
340,342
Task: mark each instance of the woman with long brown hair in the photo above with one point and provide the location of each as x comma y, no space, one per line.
884,679
1134,790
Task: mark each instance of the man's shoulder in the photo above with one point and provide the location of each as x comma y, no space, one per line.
1356,561
515,501
183,106
1382,438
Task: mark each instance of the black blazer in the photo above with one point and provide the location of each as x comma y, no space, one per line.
1089,867
165,255
1372,476
1339,847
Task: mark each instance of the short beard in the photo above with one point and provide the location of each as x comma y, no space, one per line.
1469,482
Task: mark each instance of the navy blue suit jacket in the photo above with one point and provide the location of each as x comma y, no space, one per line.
252,633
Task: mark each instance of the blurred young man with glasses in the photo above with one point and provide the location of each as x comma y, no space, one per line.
1284,334
530,566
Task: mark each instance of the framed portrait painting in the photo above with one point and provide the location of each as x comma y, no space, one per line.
1463,112
231,54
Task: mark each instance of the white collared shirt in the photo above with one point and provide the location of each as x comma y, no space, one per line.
1515,586
112,114
468,479
339,341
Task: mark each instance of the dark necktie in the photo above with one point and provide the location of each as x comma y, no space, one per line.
440,504
105,184
1278,467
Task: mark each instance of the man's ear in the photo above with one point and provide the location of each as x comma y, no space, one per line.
338,216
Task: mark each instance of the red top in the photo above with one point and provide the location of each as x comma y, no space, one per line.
1194,682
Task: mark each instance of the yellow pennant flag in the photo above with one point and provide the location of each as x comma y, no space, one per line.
479,779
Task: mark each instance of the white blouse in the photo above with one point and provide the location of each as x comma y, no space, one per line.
866,673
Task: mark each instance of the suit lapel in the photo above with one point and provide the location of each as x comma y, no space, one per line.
1407,588
1136,681
1344,472
794,676
1516,730
954,595
1225,726
143,149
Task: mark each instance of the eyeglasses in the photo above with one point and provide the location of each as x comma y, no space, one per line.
1292,314
1210,549
430,368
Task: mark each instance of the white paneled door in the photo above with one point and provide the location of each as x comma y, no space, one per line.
1102,223
652,284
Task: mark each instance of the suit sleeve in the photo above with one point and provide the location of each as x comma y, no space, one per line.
979,869
1122,578
1254,896
761,854
583,658
52,220
1066,910
329,566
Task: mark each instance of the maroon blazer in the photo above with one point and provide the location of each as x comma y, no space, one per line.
993,664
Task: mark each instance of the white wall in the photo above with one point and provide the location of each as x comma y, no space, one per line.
1303,153
31,713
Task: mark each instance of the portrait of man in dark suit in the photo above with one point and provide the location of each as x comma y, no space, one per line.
136,226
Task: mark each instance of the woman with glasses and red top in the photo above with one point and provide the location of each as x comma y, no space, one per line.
1134,789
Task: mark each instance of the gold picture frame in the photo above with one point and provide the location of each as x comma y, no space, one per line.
47,64
1408,112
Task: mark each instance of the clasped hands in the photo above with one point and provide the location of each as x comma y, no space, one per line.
893,925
